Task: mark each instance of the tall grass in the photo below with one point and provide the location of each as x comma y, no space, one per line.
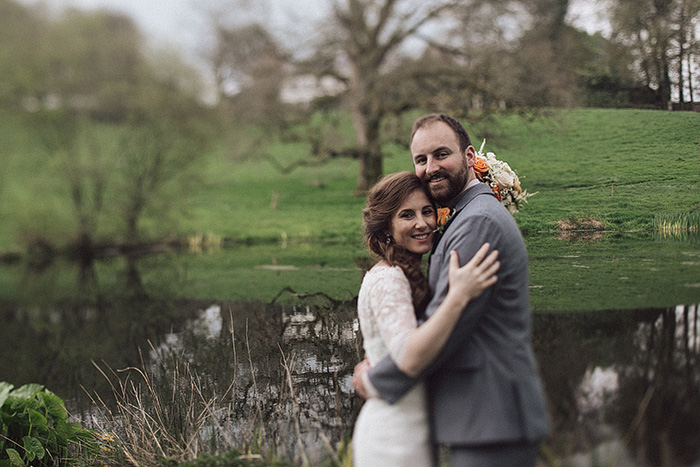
166,414
677,223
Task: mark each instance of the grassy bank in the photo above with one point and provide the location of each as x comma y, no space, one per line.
631,170
621,167
618,166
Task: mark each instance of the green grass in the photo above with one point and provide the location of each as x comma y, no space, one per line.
622,167
633,170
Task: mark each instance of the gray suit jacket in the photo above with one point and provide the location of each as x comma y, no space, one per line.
484,386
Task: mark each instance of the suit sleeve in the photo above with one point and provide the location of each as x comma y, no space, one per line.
465,238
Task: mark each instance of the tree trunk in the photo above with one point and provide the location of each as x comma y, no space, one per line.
370,170
681,55
367,131
370,165
691,98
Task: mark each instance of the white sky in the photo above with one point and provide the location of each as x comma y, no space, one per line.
184,24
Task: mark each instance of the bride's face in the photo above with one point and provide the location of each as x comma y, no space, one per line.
413,224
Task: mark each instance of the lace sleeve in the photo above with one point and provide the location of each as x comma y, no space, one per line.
392,306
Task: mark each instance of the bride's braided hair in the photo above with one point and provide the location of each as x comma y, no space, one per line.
383,201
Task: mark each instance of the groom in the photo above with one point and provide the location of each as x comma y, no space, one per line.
485,396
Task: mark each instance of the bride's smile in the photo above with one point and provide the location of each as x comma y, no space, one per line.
414,223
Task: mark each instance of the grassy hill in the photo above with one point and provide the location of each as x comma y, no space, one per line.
619,166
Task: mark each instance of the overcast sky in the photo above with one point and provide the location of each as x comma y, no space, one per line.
184,24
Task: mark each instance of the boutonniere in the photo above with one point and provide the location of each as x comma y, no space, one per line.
443,216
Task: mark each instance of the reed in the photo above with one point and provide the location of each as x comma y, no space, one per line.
164,414
678,222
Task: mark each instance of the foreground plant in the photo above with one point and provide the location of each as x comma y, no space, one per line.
35,429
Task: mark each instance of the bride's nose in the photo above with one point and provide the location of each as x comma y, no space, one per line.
421,222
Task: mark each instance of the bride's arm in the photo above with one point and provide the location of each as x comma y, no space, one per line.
466,283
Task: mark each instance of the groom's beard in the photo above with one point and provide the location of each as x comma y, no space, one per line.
453,186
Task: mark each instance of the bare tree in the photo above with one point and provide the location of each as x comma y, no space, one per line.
367,36
248,65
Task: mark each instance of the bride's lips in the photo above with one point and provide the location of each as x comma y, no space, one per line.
422,237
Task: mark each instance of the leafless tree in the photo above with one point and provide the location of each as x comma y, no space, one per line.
367,37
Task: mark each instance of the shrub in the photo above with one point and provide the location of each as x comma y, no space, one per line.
35,430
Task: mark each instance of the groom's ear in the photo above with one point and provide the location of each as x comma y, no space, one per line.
470,155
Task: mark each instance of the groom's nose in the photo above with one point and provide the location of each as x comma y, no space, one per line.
431,166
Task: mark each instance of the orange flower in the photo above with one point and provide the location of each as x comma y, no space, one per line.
496,192
442,215
480,167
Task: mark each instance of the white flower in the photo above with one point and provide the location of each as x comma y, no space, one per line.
501,176
505,179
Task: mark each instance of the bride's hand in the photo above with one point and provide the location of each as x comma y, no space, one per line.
469,281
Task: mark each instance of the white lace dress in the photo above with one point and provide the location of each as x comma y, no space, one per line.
398,434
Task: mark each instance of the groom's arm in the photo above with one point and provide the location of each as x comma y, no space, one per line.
385,377
384,380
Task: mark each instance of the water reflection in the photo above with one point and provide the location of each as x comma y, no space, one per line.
286,371
623,387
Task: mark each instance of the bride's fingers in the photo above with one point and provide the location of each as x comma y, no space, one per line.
490,259
487,277
490,281
487,262
454,261
491,272
488,270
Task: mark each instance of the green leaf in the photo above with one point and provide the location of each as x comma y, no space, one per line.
5,389
55,407
37,419
15,458
33,447
27,391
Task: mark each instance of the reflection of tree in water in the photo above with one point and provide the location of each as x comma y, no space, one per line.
566,346
288,368
68,314
659,399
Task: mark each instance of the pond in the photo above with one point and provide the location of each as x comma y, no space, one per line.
622,382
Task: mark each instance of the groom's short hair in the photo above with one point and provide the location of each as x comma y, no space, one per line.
458,128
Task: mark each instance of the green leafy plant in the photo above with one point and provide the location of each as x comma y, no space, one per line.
35,429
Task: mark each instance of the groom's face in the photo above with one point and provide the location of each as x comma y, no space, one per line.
439,162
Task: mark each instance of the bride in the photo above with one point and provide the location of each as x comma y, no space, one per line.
400,222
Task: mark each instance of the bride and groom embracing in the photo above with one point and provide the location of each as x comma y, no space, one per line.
466,376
